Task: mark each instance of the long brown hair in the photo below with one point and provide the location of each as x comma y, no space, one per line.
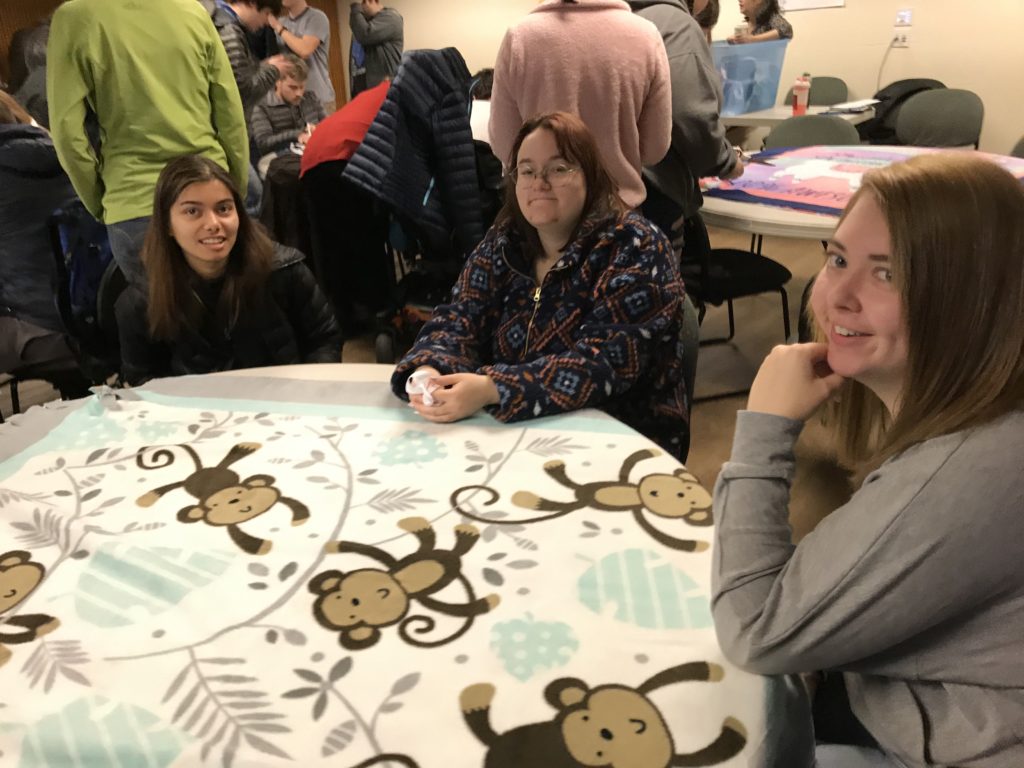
576,144
173,303
956,223
11,112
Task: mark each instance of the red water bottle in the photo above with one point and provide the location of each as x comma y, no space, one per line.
801,91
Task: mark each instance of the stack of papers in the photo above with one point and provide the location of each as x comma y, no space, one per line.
862,105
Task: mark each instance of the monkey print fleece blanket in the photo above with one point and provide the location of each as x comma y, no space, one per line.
227,571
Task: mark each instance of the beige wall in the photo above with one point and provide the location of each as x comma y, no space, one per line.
475,27
965,45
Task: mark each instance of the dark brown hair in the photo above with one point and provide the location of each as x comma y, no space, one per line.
172,302
764,13
576,144
708,18
483,84
274,6
956,223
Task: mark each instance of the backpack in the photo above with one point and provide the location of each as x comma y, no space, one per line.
881,129
88,283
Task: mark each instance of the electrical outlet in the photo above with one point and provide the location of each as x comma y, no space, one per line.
900,37
904,17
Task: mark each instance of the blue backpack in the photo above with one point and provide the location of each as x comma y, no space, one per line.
88,283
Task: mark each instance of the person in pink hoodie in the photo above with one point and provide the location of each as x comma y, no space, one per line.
595,59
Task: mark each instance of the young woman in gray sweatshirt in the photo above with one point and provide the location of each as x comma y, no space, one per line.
914,589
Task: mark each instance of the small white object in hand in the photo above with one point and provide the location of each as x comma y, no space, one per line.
421,383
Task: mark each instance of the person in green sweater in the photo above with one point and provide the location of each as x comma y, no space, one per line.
156,81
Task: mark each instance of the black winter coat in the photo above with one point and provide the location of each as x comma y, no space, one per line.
32,187
297,326
418,155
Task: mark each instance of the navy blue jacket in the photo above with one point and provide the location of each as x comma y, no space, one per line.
32,187
418,155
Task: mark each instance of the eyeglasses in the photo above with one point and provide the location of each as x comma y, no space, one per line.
556,174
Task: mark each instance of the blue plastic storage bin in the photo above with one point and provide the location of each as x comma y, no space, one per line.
750,74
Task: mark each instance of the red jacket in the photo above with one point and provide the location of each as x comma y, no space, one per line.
339,136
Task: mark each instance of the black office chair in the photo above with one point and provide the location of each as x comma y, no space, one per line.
733,273
728,274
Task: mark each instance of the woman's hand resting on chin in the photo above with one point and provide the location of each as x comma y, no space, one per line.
793,381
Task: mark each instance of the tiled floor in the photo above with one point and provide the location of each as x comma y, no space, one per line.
820,485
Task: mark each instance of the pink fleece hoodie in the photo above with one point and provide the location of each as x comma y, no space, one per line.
596,59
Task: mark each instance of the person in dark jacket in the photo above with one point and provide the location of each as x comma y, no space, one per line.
569,302
32,186
235,21
380,31
286,116
221,294
255,78
699,146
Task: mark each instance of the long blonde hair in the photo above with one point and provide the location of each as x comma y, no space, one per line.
956,223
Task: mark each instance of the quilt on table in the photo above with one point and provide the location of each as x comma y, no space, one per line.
822,179
183,583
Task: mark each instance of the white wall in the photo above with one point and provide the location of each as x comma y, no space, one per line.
973,45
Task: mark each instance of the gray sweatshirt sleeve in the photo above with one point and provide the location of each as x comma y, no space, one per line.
901,557
697,131
379,29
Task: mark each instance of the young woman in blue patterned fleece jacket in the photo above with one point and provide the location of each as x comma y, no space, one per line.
569,302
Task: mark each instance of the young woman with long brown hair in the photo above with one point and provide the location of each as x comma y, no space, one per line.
914,589
221,294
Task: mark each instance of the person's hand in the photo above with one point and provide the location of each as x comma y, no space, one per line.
739,39
737,169
274,23
371,8
794,380
416,401
458,395
304,136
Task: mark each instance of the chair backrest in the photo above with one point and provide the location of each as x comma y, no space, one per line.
1018,148
825,91
881,129
812,130
88,283
946,117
